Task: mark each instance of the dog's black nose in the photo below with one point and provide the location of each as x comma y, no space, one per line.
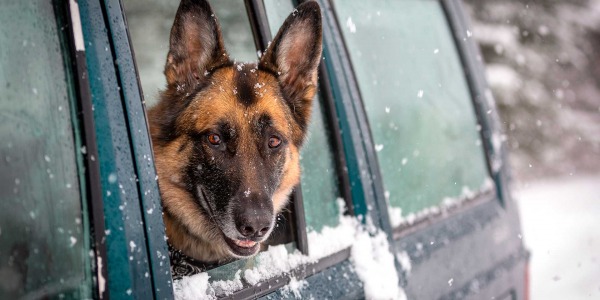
254,223
253,215
249,231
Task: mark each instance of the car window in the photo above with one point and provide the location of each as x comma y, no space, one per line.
150,24
417,101
319,181
45,251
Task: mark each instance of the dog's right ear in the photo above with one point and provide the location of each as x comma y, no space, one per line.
196,45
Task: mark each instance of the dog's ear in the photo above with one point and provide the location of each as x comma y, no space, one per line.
195,46
294,55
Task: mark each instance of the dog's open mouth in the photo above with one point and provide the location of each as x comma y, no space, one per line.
237,247
242,247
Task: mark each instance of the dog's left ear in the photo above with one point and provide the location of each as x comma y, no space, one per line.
294,55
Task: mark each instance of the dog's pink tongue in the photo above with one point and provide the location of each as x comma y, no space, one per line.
245,244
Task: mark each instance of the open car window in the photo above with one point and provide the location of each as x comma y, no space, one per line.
149,24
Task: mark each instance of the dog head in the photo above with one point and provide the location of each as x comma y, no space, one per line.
227,135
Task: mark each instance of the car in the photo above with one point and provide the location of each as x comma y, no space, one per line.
405,182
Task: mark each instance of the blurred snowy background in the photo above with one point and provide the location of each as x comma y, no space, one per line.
543,64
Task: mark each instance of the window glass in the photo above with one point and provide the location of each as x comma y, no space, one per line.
320,187
417,100
149,23
44,248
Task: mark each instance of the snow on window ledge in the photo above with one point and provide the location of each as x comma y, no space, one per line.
397,220
370,256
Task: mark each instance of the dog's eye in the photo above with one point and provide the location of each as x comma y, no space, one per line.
274,142
214,139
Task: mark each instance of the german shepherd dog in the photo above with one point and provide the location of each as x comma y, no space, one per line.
227,135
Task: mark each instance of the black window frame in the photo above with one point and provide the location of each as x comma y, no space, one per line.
84,111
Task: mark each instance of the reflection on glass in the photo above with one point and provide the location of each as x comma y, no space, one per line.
44,248
417,100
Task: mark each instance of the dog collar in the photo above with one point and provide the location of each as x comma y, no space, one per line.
183,265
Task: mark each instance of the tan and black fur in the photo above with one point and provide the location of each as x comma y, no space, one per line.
216,196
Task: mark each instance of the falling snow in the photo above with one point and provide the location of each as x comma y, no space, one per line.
350,24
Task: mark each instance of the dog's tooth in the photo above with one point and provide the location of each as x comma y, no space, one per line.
245,244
